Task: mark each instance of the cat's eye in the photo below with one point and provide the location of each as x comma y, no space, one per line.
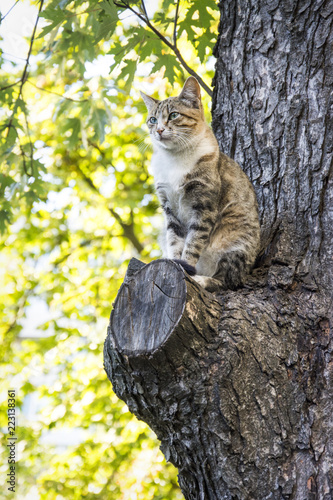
173,115
152,120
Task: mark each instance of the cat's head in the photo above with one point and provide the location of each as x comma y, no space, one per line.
178,122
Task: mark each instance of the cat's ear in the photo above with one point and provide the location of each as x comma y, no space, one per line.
150,102
191,92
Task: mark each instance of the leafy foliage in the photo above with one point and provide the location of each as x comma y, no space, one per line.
76,203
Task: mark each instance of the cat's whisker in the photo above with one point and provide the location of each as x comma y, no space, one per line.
141,144
183,141
140,139
143,147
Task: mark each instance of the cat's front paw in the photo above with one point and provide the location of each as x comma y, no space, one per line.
174,253
201,280
208,283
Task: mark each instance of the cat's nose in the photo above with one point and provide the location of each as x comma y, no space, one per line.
160,131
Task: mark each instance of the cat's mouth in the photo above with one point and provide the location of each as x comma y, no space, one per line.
164,141
162,138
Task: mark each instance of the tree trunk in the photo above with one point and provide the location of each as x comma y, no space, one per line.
273,113
239,387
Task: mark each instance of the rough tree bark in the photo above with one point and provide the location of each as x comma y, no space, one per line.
239,386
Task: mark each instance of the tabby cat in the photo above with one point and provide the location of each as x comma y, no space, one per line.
210,208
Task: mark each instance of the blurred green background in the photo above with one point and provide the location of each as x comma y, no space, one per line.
76,203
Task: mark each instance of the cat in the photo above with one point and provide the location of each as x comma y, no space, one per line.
209,204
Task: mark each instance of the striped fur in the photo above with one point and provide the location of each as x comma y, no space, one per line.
210,208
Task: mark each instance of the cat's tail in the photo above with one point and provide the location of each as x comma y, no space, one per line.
187,267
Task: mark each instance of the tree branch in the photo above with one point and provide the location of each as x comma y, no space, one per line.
128,229
23,155
18,313
55,93
32,39
25,70
30,142
4,17
172,46
100,150
144,9
175,25
11,85
83,244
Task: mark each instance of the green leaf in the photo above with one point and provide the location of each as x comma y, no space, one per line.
203,20
106,28
109,8
57,16
107,20
127,73
136,37
5,219
170,64
9,140
202,44
148,46
73,124
5,181
98,121
84,45
47,29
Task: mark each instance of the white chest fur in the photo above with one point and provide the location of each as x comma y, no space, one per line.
169,169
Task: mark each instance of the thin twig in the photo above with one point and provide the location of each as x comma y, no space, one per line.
83,244
25,71
30,143
11,85
19,310
144,9
23,158
4,17
11,55
55,93
171,46
175,25
100,150
128,229
193,73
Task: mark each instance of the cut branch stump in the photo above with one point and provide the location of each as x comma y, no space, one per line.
223,381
